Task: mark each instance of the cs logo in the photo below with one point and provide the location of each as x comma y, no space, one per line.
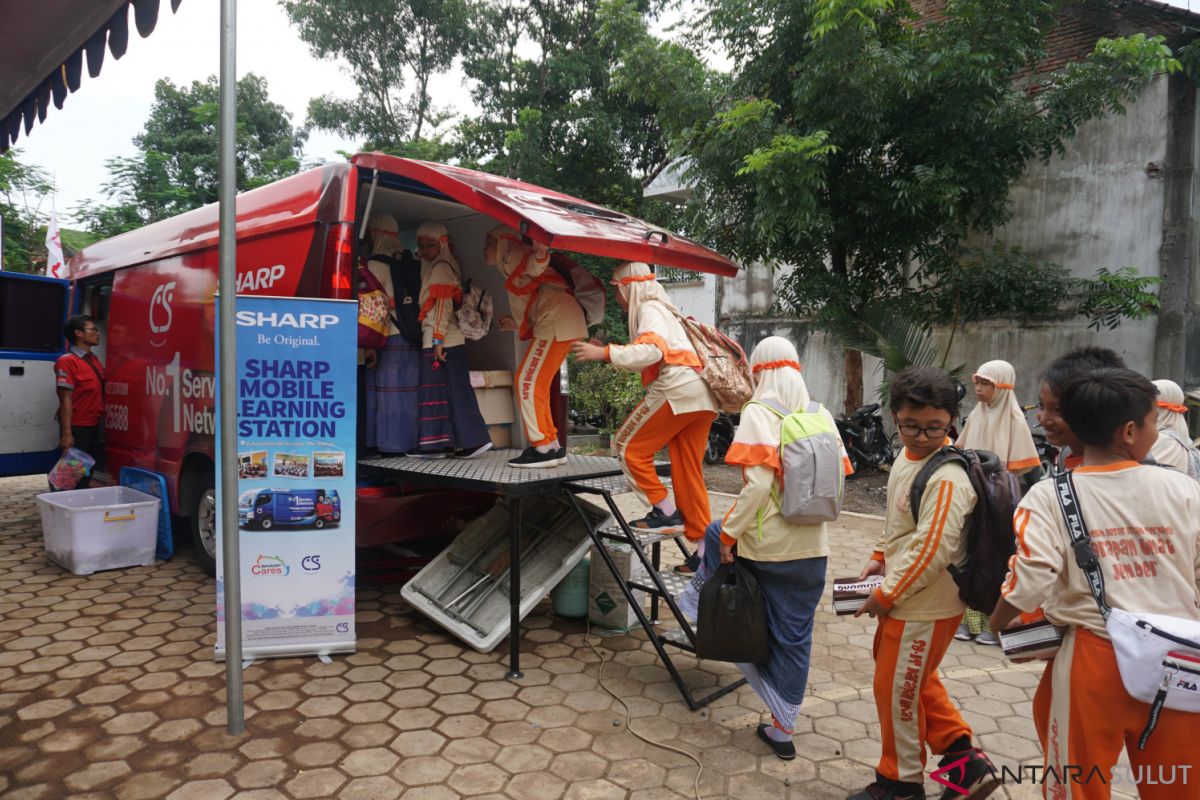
311,563
160,308
343,627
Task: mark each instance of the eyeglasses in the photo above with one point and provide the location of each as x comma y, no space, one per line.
913,431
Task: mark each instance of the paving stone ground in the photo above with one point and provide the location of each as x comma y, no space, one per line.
108,689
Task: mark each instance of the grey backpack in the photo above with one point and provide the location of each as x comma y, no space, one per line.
810,458
1193,455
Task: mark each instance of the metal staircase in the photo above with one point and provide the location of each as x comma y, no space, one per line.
661,585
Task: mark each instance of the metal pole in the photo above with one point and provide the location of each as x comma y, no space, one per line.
227,248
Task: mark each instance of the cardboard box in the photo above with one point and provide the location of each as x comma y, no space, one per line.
849,594
496,405
501,436
490,378
607,605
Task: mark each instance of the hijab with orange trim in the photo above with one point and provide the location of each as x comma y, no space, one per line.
1000,426
437,231
1171,409
637,284
777,377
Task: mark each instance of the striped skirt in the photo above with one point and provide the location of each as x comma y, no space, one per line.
448,415
391,403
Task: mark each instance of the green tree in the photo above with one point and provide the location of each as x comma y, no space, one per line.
23,190
858,144
386,43
175,169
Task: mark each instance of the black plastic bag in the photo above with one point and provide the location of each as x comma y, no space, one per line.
732,623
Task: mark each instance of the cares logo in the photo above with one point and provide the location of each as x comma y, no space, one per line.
311,563
270,565
160,307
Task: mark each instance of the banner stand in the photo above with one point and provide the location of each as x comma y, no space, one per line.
296,412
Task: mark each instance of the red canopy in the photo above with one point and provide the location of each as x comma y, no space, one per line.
555,219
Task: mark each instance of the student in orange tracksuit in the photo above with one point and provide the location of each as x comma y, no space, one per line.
1145,529
545,314
918,604
676,413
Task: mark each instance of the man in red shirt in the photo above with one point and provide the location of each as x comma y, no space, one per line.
79,377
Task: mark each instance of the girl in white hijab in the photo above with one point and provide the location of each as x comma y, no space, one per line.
546,314
998,424
788,560
393,374
1174,447
676,413
448,413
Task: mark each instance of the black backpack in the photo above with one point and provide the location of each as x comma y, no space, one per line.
406,284
989,527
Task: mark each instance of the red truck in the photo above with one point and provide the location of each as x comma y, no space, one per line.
151,292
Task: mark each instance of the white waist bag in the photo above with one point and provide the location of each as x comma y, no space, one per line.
1158,655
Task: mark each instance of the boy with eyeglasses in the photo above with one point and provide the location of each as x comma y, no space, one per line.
79,380
918,605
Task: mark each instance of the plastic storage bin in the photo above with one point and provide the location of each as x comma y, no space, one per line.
105,528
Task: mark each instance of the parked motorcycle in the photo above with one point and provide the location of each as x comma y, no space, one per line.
866,442
720,436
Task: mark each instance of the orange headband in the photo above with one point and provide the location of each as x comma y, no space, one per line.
776,365
1178,409
1004,385
633,279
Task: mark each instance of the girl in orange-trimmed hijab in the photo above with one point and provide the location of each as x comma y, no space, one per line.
998,424
448,418
676,413
545,314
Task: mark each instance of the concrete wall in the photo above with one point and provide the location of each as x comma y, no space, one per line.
1097,206
696,298
1030,346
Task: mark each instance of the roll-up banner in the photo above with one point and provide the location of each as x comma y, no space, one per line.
296,420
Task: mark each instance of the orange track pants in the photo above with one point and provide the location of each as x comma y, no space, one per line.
652,426
914,709
1084,717
539,370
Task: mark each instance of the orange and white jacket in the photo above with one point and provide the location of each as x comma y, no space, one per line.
918,554
440,290
1144,523
662,352
541,301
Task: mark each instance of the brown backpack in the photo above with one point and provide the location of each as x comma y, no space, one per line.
724,366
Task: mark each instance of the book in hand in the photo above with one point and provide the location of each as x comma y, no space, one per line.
1038,640
849,594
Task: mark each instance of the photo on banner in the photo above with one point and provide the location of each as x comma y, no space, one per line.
296,437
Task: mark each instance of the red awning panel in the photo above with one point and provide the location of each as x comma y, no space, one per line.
554,219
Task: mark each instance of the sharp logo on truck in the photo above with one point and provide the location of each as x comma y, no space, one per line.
254,280
260,319
160,311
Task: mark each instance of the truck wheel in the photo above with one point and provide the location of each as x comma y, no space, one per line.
203,521
266,523
318,523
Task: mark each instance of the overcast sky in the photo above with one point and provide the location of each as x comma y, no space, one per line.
99,121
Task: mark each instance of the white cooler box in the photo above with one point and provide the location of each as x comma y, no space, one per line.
105,528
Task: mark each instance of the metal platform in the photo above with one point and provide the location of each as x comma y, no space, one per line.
491,472
580,475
